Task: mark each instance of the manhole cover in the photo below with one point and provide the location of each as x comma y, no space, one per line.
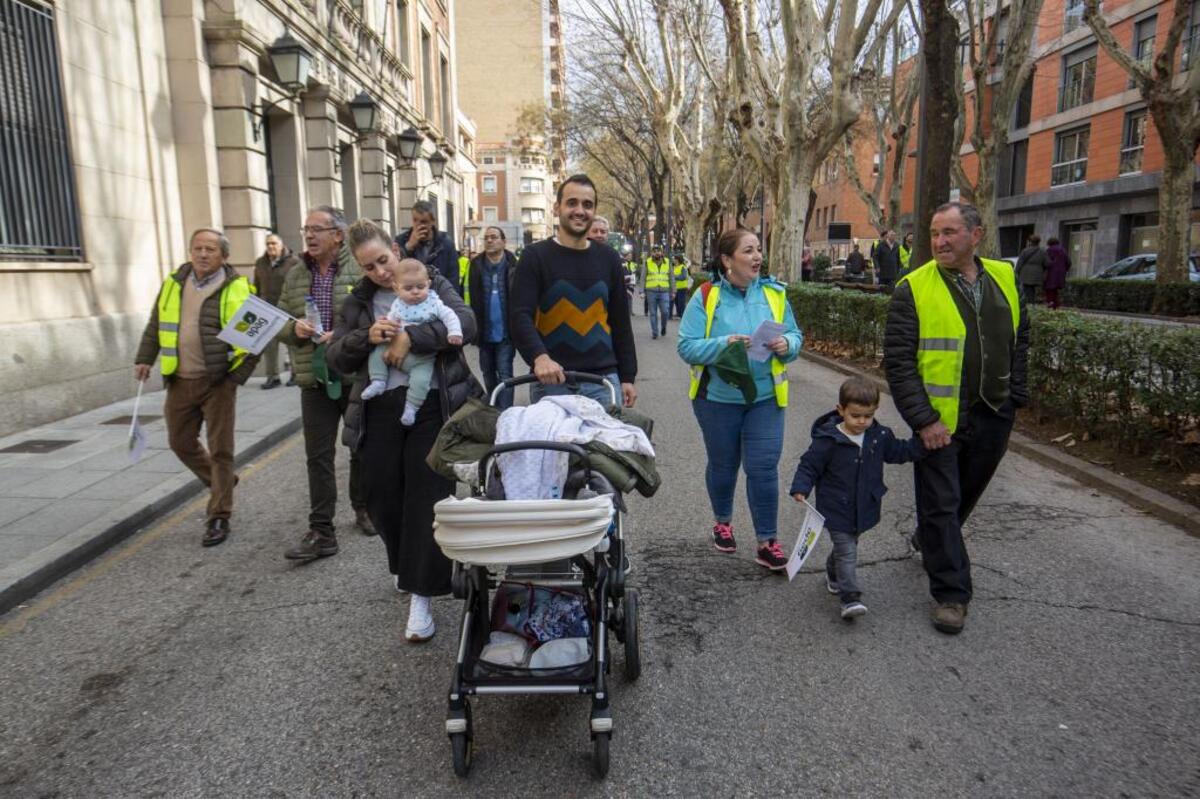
128,420
40,446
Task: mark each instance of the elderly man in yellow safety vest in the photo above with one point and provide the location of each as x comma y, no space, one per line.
201,372
955,352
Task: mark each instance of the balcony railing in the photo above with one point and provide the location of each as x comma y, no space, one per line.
1191,42
1131,160
1076,92
1068,172
1073,18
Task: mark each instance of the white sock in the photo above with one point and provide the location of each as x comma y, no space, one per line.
374,389
409,416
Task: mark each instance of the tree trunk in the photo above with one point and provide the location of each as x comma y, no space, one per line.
985,202
787,225
937,142
1174,210
693,239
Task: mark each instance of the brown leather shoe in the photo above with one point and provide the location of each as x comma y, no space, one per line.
313,546
949,617
216,531
363,522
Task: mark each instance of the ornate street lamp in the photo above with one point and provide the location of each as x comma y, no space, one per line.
410,145
292,62
437,165
365,111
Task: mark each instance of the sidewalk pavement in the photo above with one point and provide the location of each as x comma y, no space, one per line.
68,490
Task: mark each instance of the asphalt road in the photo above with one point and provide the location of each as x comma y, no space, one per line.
167,670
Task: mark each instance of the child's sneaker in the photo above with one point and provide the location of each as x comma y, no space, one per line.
770,555
853,609
374,389
831,585
723,537
409,416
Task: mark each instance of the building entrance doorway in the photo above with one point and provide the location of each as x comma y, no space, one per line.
1080,240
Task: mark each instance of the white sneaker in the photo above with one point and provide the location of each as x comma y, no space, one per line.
420,621
852,610
396,582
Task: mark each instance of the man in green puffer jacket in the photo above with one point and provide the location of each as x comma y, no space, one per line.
327,272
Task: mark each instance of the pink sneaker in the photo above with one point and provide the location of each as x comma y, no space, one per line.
770,555
723,537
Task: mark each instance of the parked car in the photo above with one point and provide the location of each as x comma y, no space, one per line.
1142,267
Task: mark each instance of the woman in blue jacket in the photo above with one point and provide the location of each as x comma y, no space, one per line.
742,425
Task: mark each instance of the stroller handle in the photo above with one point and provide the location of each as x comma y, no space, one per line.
573,378
516,446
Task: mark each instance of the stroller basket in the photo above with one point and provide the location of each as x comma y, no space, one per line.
520,531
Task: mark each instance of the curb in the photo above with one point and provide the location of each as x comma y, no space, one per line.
1162,506
29,576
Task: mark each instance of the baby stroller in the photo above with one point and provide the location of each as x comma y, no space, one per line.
570,552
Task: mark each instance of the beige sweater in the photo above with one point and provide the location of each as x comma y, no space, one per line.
191,348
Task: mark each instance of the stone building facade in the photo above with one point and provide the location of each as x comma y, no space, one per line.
162,116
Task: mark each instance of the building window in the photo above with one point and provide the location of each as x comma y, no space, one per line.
1191,40
489,184
1143,41
1011,178
491,213
450,220
437,209
402,33
39,216
532,186
1133,142
447,107
1070,157
833,214
1079,78
1073,17
1024,109
533,216
487,159
427,95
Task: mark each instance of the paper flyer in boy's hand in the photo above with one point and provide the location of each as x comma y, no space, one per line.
768,331
806,542
254,325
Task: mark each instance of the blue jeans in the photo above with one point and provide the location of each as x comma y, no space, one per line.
841,567
750,437
496,365
660,308
597,391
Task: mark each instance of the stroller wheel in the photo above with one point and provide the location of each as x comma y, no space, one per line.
600,753
633,654
462,747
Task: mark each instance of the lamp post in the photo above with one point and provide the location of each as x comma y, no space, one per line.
365,112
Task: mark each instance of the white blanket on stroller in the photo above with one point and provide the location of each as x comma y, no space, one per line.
569,419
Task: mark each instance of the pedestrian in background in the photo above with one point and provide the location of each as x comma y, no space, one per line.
1031,269
269,272
429,245
844,463
327,274
401,489
598,232
856,264
659,285
200,371
742,424
806,267
681,278
1058,266
886,257
491,281
905,253
955,352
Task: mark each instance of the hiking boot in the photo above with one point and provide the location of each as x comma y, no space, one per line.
313,546
420,626
723,537
949,617
853,609
770,556
363,522
216,531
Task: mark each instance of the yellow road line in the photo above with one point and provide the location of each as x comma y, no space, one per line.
106,563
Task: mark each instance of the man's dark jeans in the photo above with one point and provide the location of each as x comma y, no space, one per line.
949,482
320,416
496,364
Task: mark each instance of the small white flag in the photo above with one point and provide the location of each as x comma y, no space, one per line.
806,542
254,325
137,436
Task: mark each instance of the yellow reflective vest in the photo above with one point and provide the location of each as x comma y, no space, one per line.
776,301
170,300
905,257
681,275
942,334
658,275
464,277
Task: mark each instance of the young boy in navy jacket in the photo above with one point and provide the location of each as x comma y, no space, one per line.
845,464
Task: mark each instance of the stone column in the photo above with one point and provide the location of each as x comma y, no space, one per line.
320,133
373,151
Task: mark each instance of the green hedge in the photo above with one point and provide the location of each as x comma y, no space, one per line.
1133,296
1123,382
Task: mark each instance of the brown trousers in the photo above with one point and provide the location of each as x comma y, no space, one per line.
191,402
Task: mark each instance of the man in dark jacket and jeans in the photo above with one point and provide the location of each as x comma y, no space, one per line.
955,351
201,371
490,280
269,272
429,245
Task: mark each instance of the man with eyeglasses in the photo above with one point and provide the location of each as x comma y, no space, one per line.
489,283
327,273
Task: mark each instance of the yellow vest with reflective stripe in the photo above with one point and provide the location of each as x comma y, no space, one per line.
170,300
942,334
776,299
658,274
464,275
680,271
905,256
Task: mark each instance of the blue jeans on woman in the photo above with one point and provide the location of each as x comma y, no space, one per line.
750,437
